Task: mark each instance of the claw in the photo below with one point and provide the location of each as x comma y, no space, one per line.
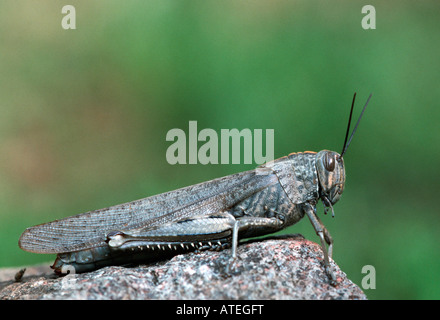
331,276
230,265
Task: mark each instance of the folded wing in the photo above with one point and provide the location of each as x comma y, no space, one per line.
89,230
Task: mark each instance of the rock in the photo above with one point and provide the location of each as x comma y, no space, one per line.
276,268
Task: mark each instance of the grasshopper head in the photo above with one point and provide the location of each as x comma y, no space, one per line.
331,175
330,166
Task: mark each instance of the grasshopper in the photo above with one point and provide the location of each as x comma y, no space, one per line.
211,215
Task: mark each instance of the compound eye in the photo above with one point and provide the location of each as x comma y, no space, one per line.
329,162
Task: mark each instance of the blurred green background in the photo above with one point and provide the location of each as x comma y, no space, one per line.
85,112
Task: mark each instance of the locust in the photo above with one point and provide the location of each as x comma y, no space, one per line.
212,215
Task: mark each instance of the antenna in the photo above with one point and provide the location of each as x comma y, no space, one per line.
346,144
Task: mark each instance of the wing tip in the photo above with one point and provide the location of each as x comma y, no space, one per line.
29,241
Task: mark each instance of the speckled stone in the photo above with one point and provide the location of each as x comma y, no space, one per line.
279,268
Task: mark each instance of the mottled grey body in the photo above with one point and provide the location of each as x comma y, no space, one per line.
210,215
